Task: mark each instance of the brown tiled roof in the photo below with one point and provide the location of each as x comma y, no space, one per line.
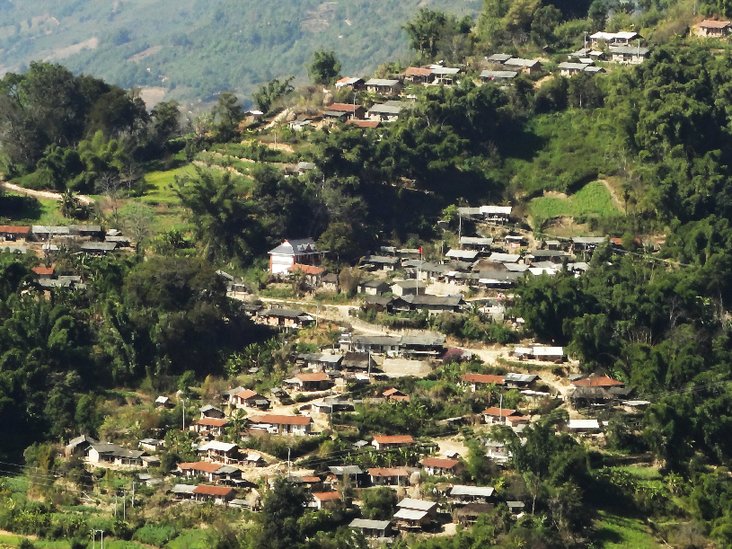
388,472
273,419
365,123
343,107
246,394
40,270
203,466
15,229
488,379
440,463
327,496
598,381
498,412
713,24
394,439
417,71
312,376
208,490
307,269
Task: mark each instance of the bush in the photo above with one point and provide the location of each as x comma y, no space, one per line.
153,534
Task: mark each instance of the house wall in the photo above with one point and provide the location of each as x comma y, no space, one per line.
280,264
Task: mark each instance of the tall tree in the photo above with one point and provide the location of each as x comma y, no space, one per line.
324,67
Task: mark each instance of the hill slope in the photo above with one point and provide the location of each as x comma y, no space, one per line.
197,47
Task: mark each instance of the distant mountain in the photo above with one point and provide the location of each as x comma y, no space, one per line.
195,48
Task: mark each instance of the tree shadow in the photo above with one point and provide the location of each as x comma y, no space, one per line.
20,207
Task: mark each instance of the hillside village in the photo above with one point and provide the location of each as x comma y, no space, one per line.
291,333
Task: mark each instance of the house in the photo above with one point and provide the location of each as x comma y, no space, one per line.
385,112
212,411
598,381
311,274
407,287
349,109
78,446
430,303
339,474
371,528
383,442
251,458
554,256
477,243
388,345
47,232
419,75
111,454
246,398
384,86
13,233
527,66
570,69
219,452
329,283
415,514
395,395
445,75
356,362
209,426
498,58
461,494
287,319
282,424
441,467
541,353
364,124
628,55
421,345
495,76
463,255
496,214
515,240
151,444
388,476
583,426
41,271
497,452
321,361
97,248
373,287
333,404
516,507
501,257
197,469
325,500
470,513
352,82
381,262
312,381
494,415
621,38
284,256
183,491
711,28
497,278
519,381
219,495
474,381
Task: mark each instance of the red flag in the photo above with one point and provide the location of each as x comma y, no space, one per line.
420,250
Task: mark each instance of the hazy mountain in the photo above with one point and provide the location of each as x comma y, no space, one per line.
194,48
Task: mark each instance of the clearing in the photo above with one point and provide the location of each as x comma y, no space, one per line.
592,200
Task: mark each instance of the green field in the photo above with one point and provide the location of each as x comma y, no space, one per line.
592,200
24,210
616,532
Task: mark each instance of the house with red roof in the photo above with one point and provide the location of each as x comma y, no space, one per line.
441,467
247,398
219,495
325,500
382,442
476,381
395,395
282,424
389,476
14,232
503,416
209,426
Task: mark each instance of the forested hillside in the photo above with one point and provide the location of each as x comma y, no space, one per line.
195,47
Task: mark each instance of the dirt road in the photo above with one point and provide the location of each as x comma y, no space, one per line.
48,195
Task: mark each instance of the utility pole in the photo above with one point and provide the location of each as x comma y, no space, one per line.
500,408
94,538
288,462
124,506
133,493
183,400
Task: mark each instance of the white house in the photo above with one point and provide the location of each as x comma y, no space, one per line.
290,252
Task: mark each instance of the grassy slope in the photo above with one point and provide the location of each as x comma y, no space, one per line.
591,200
616,532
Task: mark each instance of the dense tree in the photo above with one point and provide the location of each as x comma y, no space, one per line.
268,94
283,506
324,67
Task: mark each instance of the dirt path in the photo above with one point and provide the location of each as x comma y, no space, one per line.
613,194
48,195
